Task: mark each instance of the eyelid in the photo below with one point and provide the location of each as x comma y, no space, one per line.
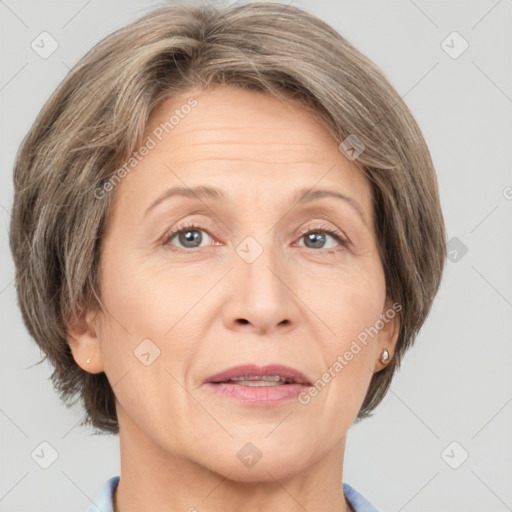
184,226
334,232
327,228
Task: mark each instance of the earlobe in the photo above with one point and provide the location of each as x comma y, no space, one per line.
84,344
384,358
387,339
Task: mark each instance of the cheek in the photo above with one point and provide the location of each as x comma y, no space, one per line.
351,306
348,301
143,342
150,309
144,297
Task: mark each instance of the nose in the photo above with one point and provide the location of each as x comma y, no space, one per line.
261,298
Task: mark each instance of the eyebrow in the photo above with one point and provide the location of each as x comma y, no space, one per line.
301,196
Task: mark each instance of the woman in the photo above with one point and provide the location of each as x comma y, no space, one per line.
227,233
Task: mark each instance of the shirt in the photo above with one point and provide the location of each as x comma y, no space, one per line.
103,501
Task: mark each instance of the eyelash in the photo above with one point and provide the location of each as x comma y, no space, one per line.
320,228
337,235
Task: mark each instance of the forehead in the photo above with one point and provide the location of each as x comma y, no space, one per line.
247,142
247,124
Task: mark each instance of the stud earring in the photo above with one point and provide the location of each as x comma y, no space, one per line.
385,356
88,361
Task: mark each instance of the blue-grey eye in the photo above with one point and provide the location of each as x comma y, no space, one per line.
189,237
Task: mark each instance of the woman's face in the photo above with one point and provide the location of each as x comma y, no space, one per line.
244,285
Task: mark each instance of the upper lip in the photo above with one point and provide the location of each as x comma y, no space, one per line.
251,370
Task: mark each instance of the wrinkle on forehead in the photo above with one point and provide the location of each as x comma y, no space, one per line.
244,141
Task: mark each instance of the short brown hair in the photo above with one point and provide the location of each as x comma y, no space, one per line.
98,114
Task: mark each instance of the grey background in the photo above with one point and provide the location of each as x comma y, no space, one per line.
455,384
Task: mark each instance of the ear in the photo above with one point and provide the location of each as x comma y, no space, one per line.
388,335
84,343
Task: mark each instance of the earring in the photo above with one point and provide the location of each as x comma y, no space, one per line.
385,356
88,361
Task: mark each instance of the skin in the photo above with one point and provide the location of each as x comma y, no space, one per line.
207,309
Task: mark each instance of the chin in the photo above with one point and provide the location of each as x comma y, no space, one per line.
251,462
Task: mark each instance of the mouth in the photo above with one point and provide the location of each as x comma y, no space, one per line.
257,381
259,386
252,375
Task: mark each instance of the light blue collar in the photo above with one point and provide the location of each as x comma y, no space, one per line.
103,501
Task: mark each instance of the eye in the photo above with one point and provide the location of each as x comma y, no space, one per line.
315,238
188,235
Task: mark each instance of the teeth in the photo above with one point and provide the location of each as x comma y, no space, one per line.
274,378
266,380
256,383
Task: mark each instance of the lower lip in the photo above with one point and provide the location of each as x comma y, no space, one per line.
259,395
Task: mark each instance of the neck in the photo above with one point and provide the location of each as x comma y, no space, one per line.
156,480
